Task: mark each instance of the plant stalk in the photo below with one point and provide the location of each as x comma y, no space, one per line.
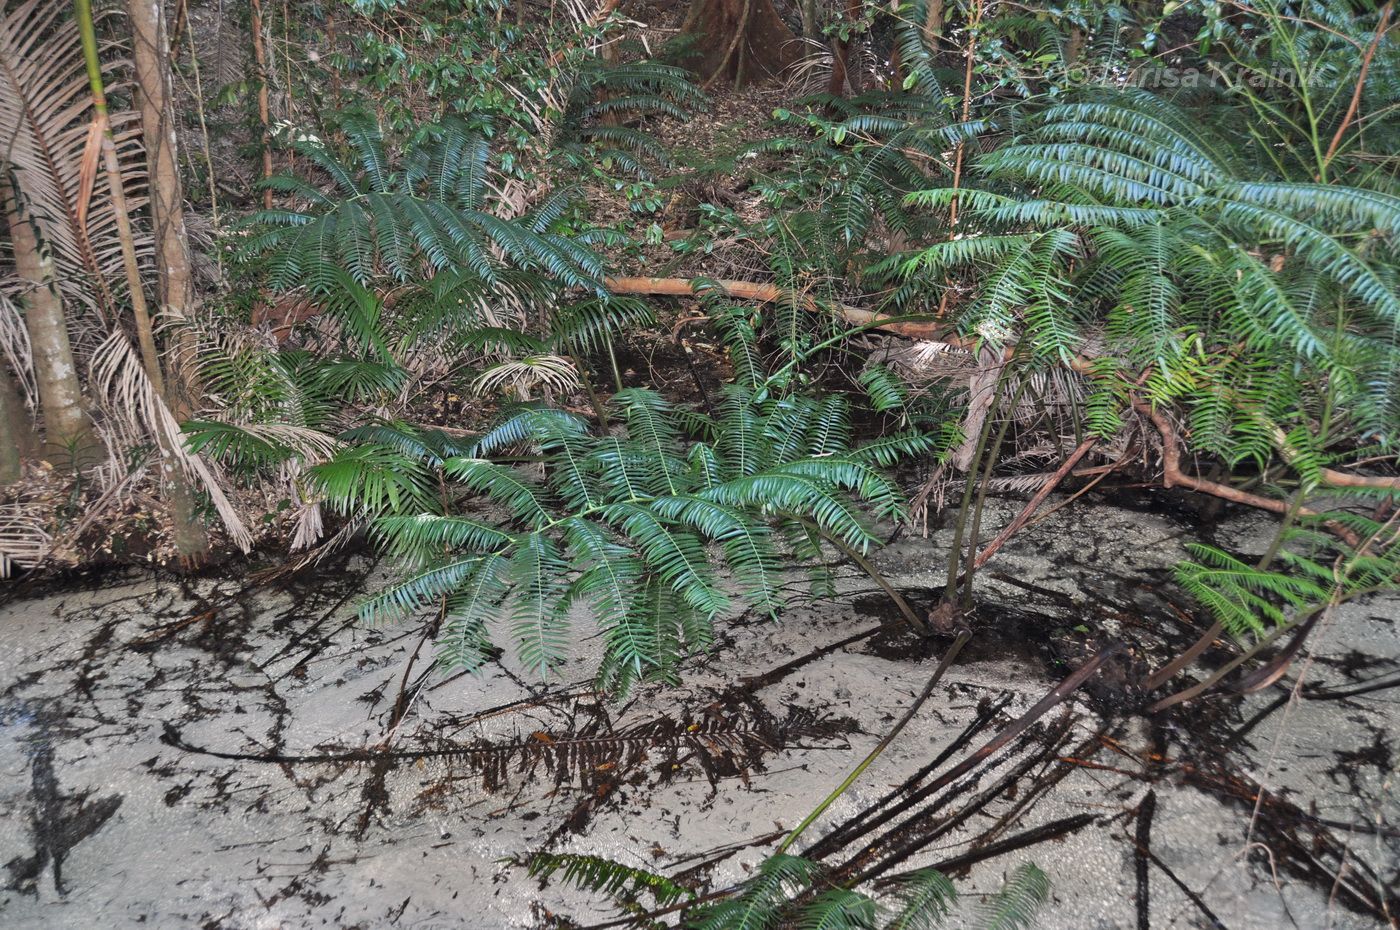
884,743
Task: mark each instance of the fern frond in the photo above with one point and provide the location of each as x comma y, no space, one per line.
1015,905
594,873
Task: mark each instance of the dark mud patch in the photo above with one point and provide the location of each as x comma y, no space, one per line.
1047,644
58,820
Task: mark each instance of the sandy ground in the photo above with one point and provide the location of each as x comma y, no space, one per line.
162,754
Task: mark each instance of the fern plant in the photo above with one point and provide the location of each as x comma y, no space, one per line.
648,530
789,891
1313,568
852,164
408,218
607,102
1119,219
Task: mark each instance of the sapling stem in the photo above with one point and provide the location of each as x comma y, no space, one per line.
884,743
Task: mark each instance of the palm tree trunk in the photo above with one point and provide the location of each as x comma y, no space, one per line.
811,24
191,540
20,441
174,281
69,435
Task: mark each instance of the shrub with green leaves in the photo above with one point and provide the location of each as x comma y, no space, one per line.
790,891
1118,226
656,529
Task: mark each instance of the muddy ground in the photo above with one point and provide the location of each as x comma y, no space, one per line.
198,754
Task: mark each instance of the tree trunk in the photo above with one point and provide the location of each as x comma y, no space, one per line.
896,62
1074,46
69,435
264,107
933,24
191,540
20,441
741,37
174,280
811,24
841,73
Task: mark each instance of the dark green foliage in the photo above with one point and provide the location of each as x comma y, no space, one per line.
789,891
408,218
608,100
1122,215
649,528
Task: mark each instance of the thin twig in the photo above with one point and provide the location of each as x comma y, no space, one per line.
1370,53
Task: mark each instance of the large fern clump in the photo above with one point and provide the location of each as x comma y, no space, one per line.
790,891
408,218
1118,234
657,528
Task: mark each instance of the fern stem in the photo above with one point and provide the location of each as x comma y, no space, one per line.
1045,491
869,568
984,484
950,588
612,360
598,409
1227,668
1381,29
1283,526
944,663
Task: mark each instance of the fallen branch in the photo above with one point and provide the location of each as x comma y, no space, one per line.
1334,478
771,293
1034,504
1173,476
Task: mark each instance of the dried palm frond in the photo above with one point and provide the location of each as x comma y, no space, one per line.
523,375
14,344
23,539
52,132
130,399
50,152
811,73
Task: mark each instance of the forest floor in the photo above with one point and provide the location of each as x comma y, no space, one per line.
172,751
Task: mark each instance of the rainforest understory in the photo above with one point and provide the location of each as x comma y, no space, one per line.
719,464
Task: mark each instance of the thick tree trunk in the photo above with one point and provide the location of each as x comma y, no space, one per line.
69,435
933,24
191,540
741,40
20,441
175,282
841,73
